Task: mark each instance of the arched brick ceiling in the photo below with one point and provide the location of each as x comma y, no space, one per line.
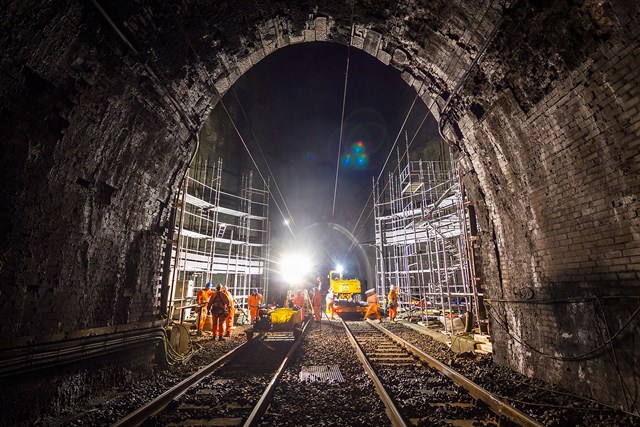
538,97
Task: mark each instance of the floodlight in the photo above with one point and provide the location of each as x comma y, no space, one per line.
293,268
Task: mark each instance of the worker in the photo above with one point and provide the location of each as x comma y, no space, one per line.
393,303
316,301
253,302
298,301
219,309
330,307
232,312
374,306
202,299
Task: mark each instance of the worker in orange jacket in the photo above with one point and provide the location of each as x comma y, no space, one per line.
316,301
298,301
219,309
330,306
374,306
232,311
393,303
253,302
202,299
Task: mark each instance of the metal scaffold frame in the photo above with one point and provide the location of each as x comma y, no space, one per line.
222,236
423,241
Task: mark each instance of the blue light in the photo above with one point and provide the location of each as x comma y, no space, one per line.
358,147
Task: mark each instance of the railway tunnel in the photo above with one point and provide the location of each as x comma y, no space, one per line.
103,104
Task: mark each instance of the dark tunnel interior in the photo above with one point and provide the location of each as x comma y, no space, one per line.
150,147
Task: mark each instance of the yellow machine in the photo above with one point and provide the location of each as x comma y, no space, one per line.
284,319
347,295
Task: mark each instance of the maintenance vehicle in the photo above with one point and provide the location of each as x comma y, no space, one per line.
347,296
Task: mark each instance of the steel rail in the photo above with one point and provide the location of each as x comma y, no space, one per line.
495,404
392,411
265,400
156,405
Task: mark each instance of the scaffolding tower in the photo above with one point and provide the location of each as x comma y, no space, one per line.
222,236
422,240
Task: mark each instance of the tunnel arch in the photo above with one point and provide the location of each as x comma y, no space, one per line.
545,125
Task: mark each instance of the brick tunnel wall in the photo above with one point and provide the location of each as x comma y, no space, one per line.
557,156
96,144
87,177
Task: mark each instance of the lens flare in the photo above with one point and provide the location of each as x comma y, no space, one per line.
358,147
357,158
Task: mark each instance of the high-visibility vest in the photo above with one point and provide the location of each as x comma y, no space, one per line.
254,301
218,303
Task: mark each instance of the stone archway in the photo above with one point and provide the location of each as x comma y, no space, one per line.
544,116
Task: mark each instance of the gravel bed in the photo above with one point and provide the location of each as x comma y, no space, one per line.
548,405
423,395
353,402
302,403
228,396
115,403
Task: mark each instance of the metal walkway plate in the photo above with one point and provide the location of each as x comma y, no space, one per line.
322,373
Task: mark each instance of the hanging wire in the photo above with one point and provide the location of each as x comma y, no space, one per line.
255,138
424,119
226,110
344,100
253,160
395,141
591,354
433,103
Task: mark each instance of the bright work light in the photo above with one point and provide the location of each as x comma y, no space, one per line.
293,268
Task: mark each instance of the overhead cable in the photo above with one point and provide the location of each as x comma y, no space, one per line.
433,103
344,100
224,107
275,182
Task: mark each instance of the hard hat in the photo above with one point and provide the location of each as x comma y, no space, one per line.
208,285
369,291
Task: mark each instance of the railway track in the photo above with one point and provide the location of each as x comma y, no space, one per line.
437,395
229,391
414,388
310,392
